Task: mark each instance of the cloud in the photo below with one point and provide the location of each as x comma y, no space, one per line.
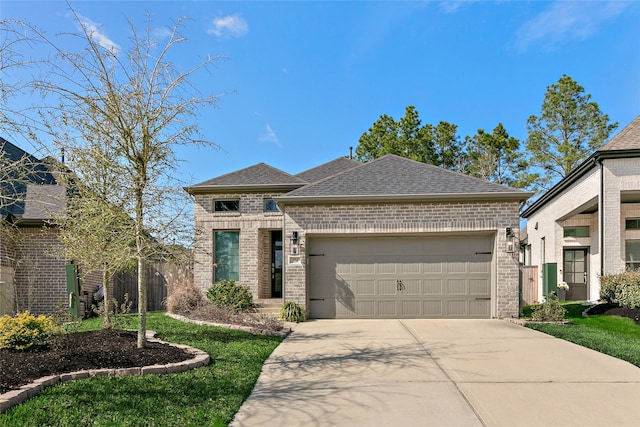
95,31
269,135
450,6
229,26
567,20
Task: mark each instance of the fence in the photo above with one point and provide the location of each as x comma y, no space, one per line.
161,277
529,284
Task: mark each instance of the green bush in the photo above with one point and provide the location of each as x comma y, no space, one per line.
622,289
227,294
292,312
549,311
26,330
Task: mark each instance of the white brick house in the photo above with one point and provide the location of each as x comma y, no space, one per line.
391,238
588,224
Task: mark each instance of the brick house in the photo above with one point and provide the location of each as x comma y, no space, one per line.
33,274
588,224
391,238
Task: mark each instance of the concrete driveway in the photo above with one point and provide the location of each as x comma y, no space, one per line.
438,373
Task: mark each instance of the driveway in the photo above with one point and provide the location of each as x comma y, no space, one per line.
438,373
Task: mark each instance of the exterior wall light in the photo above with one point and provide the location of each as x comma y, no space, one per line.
511,240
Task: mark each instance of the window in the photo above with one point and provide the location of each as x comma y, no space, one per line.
580,231
632,224
227,255
226,205
270,205
632,254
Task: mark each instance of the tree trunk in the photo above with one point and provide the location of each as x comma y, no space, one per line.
106,321
142,282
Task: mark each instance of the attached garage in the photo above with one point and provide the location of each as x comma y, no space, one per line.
443,276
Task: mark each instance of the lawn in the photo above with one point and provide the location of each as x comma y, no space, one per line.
208,396
616,336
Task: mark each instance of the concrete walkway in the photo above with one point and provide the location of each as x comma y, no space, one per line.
438,373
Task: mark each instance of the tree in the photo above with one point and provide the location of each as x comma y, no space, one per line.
497,157
140,107
570,127
438,145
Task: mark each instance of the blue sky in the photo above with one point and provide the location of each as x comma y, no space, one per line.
306,79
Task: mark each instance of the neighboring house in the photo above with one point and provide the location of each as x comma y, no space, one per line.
392,238
33,273
588,224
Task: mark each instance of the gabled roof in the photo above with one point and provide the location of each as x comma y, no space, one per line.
394,178
29,186
326,170
627,139
259,177
625,144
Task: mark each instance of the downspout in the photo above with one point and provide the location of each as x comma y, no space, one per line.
284,254
601,225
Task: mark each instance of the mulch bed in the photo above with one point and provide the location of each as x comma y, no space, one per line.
614,310
81,351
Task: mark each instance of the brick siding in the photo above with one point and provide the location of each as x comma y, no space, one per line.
340,219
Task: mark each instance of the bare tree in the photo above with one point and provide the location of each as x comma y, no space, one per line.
140,107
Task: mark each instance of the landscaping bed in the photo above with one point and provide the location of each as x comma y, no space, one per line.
77,351
614,310
209,395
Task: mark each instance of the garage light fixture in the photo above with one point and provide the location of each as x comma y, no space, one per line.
294,243
511,240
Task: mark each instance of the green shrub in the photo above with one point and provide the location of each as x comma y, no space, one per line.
622,289
227,294
26,330
292,312
549,311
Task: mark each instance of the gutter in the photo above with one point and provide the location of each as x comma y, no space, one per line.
396,198
252,188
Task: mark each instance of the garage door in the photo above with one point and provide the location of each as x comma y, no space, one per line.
443,277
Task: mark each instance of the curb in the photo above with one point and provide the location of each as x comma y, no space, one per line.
283,333
26,392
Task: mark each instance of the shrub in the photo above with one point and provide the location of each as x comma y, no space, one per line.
622,289
292,312
26,330
549,311
184,298
227,294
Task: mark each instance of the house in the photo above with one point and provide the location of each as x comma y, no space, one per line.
391,238
34,275
588,224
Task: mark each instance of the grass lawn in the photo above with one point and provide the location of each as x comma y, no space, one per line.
208,396
616,336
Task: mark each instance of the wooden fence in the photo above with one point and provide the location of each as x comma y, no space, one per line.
161,277
529,284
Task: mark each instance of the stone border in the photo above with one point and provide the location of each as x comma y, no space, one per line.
283,333
26,392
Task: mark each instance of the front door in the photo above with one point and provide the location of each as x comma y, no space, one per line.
276,264
575,273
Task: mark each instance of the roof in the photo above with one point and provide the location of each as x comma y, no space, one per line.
326,170
625,144
28,184
627,139
254,178
392,178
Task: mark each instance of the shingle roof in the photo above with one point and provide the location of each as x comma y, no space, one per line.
326,170
392,176
257,176
28,185
627,139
